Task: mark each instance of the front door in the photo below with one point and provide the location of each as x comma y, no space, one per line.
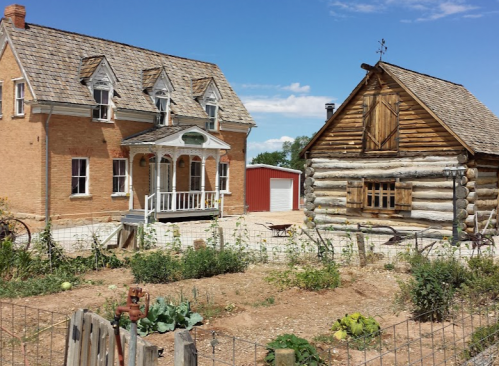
164,181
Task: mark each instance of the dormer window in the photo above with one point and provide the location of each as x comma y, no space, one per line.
211,111
159,87
162,102
102,111
99,77
206,92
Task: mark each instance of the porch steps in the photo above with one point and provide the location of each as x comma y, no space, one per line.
134,217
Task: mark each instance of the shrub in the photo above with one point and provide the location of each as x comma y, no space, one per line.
305,353
483,282
309,278
315,279
356,326
156,267
48,284
208,262
433,286
481,339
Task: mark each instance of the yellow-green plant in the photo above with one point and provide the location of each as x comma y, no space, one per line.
356,326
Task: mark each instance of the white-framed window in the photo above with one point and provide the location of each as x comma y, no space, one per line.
195,176
162,101
223,176
102,112
119,176
19,93
79,176
211,111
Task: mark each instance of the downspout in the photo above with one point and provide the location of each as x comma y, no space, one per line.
245,154
47,217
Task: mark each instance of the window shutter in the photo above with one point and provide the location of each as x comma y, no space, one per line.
403,196
354,194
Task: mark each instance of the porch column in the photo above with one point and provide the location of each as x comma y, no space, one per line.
158,181
130,180
174,182
203,194
217,179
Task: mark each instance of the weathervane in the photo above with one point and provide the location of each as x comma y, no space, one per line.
382,48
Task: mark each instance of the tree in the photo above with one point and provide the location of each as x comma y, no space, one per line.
276,158
292,152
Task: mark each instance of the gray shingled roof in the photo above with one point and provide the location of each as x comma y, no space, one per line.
154,134
199,86
51,59
455,106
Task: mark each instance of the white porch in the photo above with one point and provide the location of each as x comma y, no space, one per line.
178,159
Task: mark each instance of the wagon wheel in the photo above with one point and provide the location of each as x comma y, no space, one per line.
17,232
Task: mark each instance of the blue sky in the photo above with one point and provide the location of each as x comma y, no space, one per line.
286,58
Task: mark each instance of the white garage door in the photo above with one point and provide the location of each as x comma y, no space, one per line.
281,194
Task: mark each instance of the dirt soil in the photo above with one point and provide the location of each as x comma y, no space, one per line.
244,305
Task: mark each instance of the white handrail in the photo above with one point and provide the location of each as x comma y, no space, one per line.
148,200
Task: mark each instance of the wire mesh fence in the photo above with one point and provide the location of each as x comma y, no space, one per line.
469,336
30,336
290,244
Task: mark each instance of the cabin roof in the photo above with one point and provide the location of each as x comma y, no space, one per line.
469,120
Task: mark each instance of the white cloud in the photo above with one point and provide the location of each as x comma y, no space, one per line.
428,9
269,145
292,106
293,87
297,88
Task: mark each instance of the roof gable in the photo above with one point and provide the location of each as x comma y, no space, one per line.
156,78
454,107
51,59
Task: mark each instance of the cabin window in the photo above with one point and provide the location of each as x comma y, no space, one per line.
79,176
195,176
379,195
223,173
119,176
380,123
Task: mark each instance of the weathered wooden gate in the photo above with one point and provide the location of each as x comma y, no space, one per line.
91,341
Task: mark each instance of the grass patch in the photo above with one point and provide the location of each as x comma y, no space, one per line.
308,278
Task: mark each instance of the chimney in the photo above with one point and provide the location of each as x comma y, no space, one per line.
17,13
330,110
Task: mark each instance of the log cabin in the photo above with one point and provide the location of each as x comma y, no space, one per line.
379,158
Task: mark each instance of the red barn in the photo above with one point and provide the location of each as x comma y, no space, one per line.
272,188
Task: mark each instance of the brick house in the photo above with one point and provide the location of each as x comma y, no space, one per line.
96,128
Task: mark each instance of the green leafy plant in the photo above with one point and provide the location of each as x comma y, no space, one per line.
433,286
481,339
157,267
355,326
147,237
164,317
310,278
305,353
483,282
208,262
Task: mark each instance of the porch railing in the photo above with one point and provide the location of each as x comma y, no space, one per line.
150,204
181,201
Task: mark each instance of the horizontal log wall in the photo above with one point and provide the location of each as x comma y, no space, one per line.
418,130
482,183
326,181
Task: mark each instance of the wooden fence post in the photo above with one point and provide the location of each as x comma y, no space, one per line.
362,249
185,353
221,237
284,357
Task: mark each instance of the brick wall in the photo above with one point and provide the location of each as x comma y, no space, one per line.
21,146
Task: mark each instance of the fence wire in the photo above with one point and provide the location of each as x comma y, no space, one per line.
289,244
30,336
